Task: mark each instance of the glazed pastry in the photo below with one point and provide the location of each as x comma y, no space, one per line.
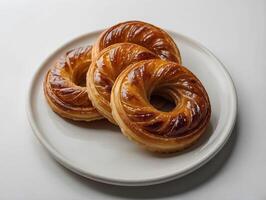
65,86
157,130
106,67
141,33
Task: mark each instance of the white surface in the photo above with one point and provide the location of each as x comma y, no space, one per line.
87,148
234,30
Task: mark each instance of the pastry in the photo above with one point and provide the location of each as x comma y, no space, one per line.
106,67
141,33
65,86
157,130
118,78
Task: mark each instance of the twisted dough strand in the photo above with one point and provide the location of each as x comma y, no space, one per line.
141,33
158,130
105,69
61,90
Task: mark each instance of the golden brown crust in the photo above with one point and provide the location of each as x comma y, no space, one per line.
106,67
141,33
63,86
157,130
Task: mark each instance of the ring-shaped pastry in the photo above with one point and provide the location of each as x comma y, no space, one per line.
106,67
158,130
149,36
65,86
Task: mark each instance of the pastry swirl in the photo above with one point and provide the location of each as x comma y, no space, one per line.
64,86
158,130
141,33
105,69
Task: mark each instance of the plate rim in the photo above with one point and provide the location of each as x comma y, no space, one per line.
64,161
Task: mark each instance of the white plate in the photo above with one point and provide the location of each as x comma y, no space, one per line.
98,150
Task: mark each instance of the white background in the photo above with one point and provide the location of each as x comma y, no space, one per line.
235,31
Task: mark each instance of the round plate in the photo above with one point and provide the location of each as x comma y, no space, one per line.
98,150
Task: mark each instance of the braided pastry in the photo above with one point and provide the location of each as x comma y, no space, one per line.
64,86
154,129
116,79
141,33
106,67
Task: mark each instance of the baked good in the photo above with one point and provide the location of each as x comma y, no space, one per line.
106,67
149,36
118,77
157,130
65,86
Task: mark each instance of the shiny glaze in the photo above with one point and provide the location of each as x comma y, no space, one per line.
60,84
143,34
109,64
192,110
